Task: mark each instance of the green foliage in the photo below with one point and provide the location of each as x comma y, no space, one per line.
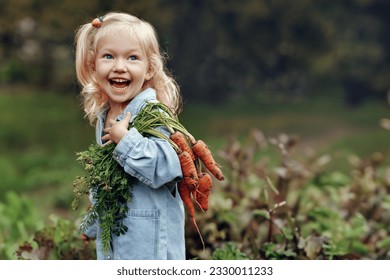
228,252
20,223
295,209
334,217
18,219
111,189
56,242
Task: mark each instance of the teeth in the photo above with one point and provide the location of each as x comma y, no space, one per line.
119,80
119,88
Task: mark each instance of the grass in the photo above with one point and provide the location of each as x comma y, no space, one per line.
42,130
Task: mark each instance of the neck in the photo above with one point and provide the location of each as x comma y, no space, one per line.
116,109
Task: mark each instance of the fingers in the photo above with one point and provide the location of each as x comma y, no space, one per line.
128,117
107,130
110,123
106,137
125,121
108,143
116,130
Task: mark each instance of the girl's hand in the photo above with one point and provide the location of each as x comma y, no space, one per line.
116,130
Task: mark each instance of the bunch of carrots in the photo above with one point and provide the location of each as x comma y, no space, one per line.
193,154
195,181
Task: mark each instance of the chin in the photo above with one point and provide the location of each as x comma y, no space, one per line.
121,98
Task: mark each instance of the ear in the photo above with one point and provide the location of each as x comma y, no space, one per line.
150,73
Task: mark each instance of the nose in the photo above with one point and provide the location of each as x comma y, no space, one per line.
119,65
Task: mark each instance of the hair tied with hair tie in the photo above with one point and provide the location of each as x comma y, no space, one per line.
97,22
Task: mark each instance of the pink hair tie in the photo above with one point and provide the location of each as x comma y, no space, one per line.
97,22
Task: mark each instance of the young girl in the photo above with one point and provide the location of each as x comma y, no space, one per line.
120,68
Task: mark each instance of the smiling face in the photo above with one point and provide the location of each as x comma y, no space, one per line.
121,67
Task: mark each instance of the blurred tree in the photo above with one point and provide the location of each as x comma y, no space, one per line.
355,55
236,47
219,48
36,38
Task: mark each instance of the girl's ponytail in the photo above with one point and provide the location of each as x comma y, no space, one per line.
83,54
93,99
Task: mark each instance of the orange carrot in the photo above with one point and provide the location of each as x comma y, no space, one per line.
185,195
201,151
181,141
188,168
202,193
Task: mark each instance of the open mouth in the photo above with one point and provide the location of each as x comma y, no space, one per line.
119,84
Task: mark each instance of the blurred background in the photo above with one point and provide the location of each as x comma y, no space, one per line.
310,75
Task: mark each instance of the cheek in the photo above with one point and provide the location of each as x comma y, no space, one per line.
100,70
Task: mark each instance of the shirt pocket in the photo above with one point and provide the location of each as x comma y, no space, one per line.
140,242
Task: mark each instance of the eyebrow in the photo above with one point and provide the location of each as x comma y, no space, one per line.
112,51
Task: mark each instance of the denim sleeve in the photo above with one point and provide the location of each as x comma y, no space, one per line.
152,160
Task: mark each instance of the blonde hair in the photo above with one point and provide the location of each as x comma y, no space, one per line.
87,36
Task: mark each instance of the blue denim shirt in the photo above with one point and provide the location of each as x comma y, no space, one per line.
155,219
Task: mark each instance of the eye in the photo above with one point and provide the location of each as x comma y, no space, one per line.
133,57
108,56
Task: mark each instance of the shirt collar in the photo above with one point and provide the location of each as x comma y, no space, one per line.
136,104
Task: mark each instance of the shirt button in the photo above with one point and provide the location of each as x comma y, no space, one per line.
108,257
